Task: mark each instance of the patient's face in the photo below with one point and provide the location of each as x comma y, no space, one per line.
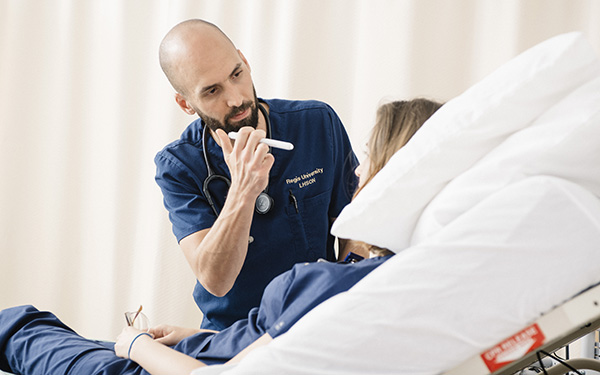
362,172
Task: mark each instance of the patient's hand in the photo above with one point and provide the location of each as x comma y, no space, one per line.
171,335
123,342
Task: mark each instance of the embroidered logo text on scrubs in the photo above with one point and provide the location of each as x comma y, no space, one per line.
305,179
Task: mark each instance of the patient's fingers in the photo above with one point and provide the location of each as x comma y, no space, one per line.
161,330
170,339
171,335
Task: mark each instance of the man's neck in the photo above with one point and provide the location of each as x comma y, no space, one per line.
262,122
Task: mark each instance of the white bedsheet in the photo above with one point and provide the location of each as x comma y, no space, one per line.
438,303
510,236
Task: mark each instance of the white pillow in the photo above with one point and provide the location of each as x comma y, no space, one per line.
563,142
462,132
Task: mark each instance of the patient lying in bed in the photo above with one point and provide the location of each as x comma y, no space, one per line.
35,342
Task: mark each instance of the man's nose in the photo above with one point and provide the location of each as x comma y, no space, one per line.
234,97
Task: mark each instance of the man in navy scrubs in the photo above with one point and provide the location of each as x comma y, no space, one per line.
233,250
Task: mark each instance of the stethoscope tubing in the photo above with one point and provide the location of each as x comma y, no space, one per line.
264,201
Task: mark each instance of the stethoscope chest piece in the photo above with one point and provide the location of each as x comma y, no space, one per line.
264,202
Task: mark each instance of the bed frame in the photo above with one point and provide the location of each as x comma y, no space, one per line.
566,323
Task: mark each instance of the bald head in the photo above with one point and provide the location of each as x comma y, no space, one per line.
186,44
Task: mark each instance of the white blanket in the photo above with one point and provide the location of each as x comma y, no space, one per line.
493,209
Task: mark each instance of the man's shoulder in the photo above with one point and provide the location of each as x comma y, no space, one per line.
190,137
284,106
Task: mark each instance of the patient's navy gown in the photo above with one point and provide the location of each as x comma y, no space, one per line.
37,342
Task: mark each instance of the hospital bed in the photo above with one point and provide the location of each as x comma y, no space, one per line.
573,320
566,323
493,198
522,352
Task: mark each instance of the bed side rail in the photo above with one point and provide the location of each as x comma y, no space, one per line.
561,326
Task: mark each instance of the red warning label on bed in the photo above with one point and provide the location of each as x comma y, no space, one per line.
513,348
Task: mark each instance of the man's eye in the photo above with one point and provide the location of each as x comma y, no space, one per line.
237,74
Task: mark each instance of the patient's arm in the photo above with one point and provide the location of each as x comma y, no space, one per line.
157,358
261,341
153,356
171,335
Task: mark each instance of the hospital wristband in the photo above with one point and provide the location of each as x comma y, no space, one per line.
135,338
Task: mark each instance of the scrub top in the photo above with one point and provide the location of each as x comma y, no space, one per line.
309,185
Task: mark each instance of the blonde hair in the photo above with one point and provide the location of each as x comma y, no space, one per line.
395,123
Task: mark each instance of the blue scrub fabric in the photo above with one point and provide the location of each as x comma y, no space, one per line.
309,185
37,342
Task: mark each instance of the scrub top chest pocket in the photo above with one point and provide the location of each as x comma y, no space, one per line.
309,222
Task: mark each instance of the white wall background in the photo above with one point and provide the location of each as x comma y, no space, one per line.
84,107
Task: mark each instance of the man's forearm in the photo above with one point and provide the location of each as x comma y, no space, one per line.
217,254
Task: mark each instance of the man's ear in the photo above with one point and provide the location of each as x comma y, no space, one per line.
183,104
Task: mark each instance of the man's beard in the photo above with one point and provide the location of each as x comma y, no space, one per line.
252,120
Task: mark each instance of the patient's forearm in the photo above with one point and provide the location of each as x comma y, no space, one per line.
261,341
159,359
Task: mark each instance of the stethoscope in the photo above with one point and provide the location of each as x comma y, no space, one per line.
264,202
